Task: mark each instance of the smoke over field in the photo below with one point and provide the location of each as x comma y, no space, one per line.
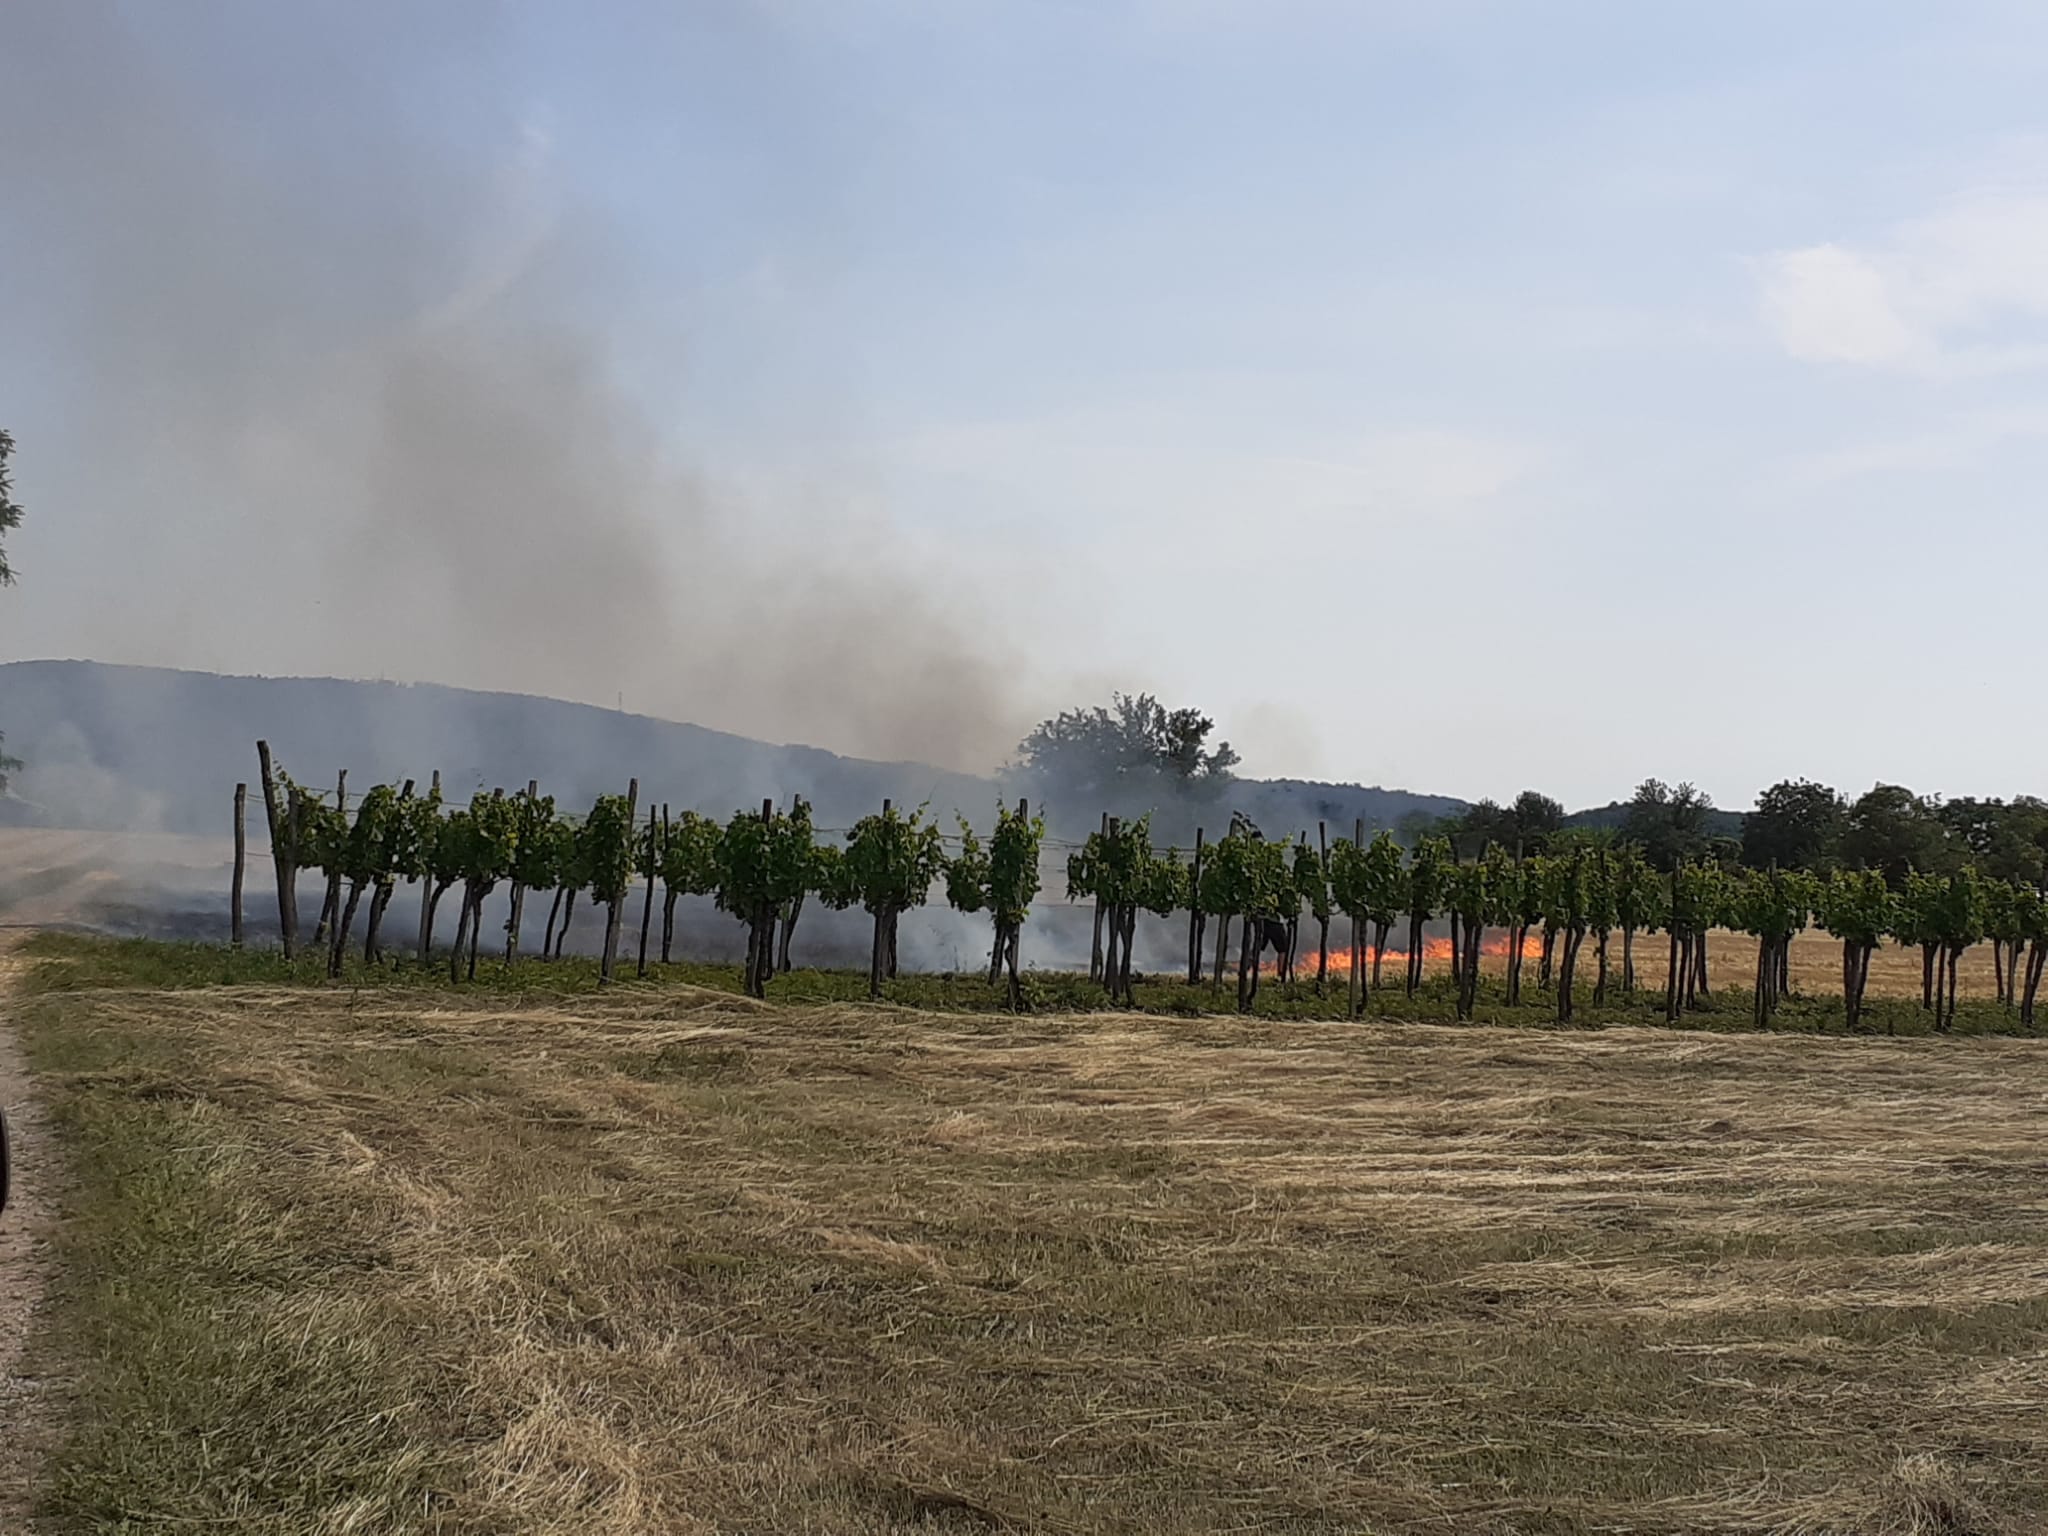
358,384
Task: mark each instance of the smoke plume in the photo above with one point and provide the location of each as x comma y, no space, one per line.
349,377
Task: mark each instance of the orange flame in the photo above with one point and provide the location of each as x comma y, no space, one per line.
1434,951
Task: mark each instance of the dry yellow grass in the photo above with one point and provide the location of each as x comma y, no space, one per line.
681,1262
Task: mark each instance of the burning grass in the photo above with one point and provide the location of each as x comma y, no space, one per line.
671,1260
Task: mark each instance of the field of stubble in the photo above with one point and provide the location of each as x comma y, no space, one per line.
676,1261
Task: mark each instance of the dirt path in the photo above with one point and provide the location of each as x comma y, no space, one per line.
24,1268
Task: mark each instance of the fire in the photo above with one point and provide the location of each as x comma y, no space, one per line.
1435,951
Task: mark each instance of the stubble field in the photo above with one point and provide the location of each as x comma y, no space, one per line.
670,1260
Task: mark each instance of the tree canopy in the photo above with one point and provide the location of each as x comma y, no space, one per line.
1133,749
10,509
1797,824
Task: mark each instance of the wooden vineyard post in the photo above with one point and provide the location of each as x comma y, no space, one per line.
616,912
283,845
1115,915
330,911
1357,929
1323,922
241,847
1017,928
1195,915
761,922
668,902
1095,953
519,891
427,889
881,917
647,906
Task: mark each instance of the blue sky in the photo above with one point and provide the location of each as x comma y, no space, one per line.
1459,395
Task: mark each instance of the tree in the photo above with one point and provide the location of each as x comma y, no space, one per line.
10,509
1312,880
1602,913
1638,906
689,866
1366,885
1797,824
1117,867
890,863
1856,907
1428,870
1668,824
1894,831
1955,917
1697,898
396,860
1246,877
536,860
764,864
2003,927
1126,755
2030,919
1524,897
1916,920
605,860
1773,905
1001,879
1570,902
572,874
1469,892
479,846
1533,820
363,858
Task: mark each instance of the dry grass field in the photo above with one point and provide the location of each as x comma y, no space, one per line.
674,1261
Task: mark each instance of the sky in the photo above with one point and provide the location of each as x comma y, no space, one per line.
1456,396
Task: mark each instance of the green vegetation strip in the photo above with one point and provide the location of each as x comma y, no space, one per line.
79,962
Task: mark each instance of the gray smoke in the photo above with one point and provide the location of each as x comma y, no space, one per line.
343,363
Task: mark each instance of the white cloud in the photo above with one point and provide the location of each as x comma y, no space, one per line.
1961,291
1829,304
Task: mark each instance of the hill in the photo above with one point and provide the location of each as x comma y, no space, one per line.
160,749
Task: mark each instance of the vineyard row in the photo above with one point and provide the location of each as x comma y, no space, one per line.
763,867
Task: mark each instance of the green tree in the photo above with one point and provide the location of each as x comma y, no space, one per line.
1472,900
1668,824
10,519
890,863
764,864
481,844
1126,756
1957,919
688,866
1856,907
1638,906
606,860
1571,901
1797,824
1773,905
1246,876
1366,885
572,878
536,859
1312,880
10,509
395,861
1602,914
1428,871
1894,831
1000,878
1117,867
1525,897
2030,921
364,851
